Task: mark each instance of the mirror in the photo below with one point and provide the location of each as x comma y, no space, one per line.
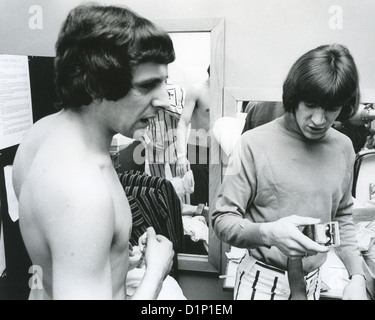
211,31
235,99
228,128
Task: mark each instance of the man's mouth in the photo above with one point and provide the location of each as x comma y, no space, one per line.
316,130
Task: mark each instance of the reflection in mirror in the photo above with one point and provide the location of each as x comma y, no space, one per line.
173,133
198,44
192,58
189,70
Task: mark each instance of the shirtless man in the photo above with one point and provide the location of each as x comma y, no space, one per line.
74,216
193,150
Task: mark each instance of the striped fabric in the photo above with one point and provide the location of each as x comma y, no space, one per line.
258,281
154,202
163,134
162,131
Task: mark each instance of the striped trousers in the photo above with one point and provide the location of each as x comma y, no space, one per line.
256,280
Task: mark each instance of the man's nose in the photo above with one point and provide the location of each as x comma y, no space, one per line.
319,116
161,100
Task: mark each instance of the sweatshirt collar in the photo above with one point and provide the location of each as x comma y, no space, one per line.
289,124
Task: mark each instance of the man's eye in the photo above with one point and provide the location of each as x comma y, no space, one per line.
148,85
151,85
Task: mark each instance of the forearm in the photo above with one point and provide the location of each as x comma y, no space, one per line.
350,255
181,144
348,250
238,232
150,286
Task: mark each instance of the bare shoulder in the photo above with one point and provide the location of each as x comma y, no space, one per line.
200,94
192,93
198,89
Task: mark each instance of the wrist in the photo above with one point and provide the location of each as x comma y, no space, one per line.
181,155
264,234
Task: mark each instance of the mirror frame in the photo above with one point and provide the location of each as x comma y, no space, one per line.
215,26
233,95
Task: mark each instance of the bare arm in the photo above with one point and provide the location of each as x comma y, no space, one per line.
80,229
182,130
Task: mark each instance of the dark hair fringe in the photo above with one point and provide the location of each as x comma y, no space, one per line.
326,76
97,48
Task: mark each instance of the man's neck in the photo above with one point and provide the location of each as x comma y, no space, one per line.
89,119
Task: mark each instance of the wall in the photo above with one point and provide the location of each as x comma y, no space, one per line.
262,38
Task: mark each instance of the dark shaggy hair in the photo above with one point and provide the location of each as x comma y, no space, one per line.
97,48
326,76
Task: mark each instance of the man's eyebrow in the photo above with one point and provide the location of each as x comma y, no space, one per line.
150,80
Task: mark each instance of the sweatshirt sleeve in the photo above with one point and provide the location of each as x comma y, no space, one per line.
348,250
229,218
